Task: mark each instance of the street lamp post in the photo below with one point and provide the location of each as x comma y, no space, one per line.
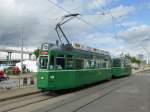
21,59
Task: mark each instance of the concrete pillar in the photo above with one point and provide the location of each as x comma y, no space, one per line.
30,56
9,56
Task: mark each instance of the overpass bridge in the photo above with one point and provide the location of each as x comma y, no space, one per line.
10,51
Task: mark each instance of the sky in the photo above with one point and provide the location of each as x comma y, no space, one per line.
117,26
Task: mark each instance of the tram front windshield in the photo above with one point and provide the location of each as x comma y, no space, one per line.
43,62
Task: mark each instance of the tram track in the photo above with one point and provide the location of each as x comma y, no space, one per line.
126,83
18,99
77,96
111,86
24,101
101,96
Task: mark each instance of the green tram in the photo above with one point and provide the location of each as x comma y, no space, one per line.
68,65
65,66
121,67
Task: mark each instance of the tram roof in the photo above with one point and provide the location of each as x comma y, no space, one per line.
73,47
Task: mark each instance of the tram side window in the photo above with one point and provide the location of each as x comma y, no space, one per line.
69,64
86,63
43,62
98,62
79,63
107,62
104,63
116,63
92,63
51,63
60,62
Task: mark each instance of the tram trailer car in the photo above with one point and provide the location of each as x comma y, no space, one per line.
121,67
65,67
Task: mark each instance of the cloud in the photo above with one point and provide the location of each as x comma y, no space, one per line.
122,10
97,3
37,20
136,34
101,22
33,18
98,39
137,39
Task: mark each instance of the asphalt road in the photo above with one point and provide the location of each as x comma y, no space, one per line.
132,97
128,94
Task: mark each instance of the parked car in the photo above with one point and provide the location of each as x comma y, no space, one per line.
3,76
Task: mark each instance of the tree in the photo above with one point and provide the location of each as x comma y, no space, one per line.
133,59
37,52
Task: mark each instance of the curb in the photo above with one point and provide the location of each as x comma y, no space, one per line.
141,71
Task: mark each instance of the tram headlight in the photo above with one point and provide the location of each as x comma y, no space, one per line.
42,78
